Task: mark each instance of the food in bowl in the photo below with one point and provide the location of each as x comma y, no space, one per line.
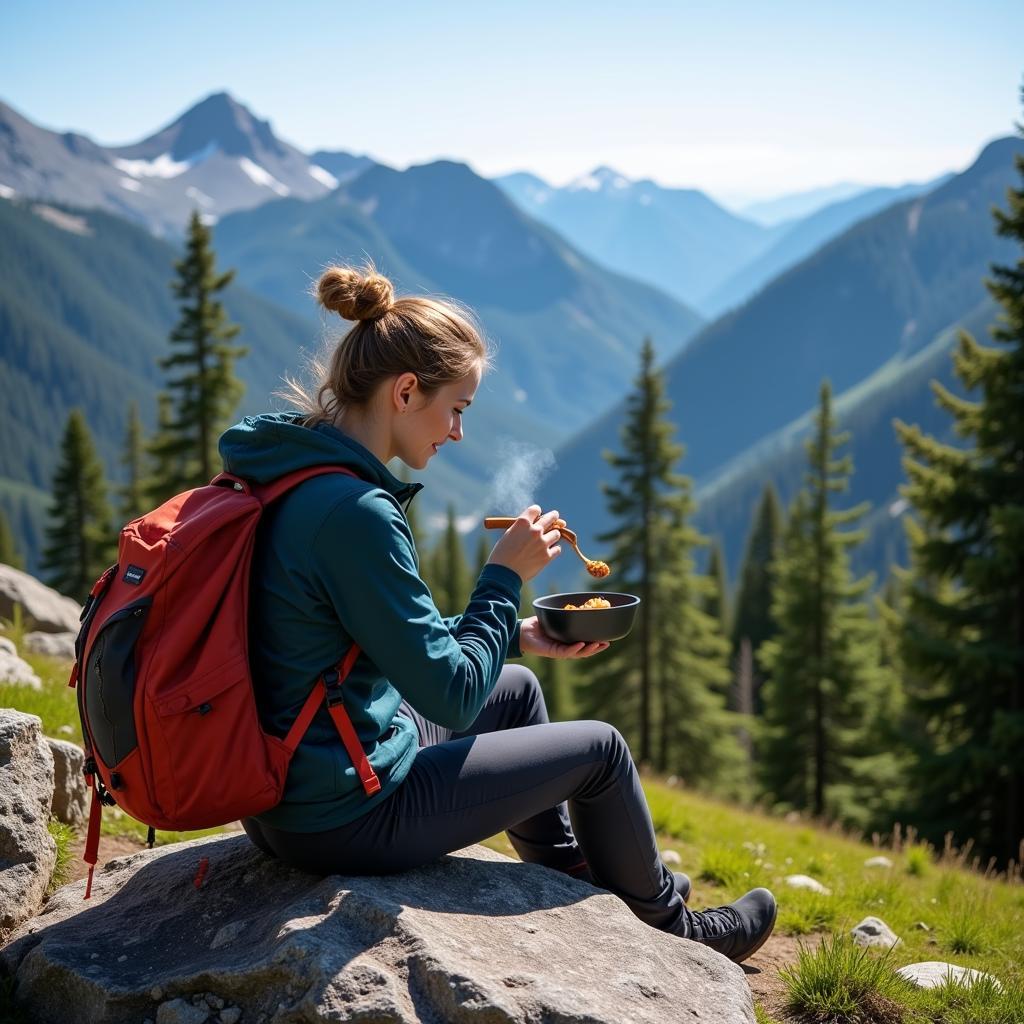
594,602
599,624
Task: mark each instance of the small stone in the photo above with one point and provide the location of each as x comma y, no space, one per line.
671,857
121,959
214,1002
931,973
66,730
227,933
878,862
156,993
873,931
94,956
806,882
178,1011
231,1015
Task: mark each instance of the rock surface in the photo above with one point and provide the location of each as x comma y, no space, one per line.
43,608
873,931
13,669
931,973
56,645
70,793
27,850
474,937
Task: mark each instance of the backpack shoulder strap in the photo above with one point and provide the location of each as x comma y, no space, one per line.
276,488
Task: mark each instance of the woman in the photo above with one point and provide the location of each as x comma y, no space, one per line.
460,742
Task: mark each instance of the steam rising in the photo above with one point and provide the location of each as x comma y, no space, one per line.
522,468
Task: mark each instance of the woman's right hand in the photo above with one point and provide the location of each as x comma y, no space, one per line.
529,543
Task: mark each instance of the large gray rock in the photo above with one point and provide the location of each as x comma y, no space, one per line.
56,645
70,794
43,608
474,937
27,850
13,670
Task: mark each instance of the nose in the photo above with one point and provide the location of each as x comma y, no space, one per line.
456,432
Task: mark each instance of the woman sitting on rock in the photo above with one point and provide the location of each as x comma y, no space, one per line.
459,741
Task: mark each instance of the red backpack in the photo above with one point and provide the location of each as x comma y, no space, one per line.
169,720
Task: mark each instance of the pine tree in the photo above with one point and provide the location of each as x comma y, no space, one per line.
717,603
449,570
669,663
826,680
963,631
9,554
203,388
752,619
134,499
78,546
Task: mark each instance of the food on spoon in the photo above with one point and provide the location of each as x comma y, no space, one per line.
588,605
598,569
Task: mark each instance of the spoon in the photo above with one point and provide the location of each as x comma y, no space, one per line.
596,569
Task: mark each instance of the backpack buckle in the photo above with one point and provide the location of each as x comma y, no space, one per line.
332,686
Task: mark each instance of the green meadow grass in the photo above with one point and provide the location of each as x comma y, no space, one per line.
940,904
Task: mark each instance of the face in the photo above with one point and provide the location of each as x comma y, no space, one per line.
428,423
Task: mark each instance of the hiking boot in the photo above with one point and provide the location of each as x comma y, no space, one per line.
738,930
683,885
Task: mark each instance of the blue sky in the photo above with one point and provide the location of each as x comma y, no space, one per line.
743,100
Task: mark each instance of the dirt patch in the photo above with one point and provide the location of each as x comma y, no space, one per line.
110,847
762,970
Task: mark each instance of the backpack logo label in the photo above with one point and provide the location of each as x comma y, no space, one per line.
133,574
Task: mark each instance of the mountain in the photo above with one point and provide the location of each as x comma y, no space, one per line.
566,330
797,205
85,311
802,238
216,157
881,291
898,389
677,239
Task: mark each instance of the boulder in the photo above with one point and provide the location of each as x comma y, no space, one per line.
56,645
27,850
932,973
15,671
472,937
873,931
806,882
70,793
43,608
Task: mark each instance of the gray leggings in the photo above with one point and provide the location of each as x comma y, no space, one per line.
566,793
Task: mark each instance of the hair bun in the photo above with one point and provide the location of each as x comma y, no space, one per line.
354,294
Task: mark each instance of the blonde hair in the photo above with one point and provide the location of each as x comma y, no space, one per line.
435,339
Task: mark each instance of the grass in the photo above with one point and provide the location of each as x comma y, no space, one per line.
64,836
941,903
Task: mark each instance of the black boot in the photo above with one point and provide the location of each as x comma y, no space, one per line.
738,930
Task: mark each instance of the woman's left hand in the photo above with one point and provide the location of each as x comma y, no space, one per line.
533,640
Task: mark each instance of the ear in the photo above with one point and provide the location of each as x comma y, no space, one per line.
404,389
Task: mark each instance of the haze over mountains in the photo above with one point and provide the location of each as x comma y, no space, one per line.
883,291
865,289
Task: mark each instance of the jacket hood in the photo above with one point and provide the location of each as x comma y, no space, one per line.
262,448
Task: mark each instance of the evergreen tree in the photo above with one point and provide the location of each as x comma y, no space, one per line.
78,546
9,554
717,603
484,546
753,618
134,499
963,631
826,680
449,570
202,384
675,653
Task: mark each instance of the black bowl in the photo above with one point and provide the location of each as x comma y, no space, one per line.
590,625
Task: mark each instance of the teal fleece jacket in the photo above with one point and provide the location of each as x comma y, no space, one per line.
334,563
